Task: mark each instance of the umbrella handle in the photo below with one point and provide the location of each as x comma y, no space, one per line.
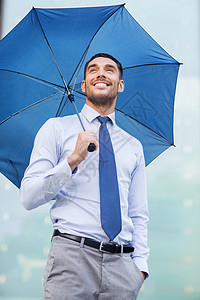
91,147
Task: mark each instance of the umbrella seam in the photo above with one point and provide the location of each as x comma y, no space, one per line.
60,109
66,87
33,105
42,81
144,65
155,64
79,65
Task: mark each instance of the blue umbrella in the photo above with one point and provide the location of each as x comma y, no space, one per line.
41,68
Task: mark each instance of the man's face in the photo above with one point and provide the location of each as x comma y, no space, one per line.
102,82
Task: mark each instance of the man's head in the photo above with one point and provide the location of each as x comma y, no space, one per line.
105,55
102,81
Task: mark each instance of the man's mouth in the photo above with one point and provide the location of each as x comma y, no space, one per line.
101,83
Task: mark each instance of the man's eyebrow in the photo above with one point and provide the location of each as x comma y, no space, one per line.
91,66
111,66
107,65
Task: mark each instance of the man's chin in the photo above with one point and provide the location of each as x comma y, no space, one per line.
101,101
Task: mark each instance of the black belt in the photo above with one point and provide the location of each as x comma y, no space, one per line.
110,247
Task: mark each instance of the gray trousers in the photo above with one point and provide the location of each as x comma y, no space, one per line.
78,272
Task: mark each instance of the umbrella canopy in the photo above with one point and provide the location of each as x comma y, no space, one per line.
42,61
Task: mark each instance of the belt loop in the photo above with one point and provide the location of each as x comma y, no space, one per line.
82,242
121,254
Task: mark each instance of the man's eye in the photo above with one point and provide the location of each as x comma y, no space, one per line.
110,70
92,70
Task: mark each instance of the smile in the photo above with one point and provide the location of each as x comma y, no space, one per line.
101,84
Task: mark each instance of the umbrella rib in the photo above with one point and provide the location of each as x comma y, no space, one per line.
79,95
145,126
144,65
79,65
66,87
151,37
78,90
33,105
59,111
42,81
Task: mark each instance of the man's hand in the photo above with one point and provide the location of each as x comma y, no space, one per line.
81,149
143,274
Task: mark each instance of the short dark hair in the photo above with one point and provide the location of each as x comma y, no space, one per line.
119,66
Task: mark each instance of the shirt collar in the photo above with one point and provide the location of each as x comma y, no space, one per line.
90,114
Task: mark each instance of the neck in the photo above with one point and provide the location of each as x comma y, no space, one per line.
101,109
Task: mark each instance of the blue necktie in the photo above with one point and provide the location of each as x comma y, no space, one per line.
109,191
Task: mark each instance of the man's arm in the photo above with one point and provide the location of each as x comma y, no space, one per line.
138,211
46,174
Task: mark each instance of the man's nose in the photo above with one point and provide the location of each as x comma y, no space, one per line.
101,72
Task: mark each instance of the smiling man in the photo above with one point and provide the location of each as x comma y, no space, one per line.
102,89
100,214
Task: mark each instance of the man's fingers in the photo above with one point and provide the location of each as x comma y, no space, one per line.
85,138
88,137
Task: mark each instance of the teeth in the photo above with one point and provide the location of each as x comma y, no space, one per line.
101,84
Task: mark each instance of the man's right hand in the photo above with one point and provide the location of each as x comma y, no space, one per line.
81,149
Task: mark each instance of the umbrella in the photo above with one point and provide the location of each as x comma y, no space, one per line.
41,69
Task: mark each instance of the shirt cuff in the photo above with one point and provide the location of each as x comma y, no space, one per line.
75,170
142,265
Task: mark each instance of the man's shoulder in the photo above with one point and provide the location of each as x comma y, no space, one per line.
57,125
62,121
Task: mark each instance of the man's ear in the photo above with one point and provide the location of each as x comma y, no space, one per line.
83,86
121,86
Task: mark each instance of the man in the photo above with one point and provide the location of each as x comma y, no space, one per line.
87,261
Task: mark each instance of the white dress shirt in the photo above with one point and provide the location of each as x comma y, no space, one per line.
76,209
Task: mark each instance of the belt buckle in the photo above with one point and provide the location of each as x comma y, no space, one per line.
108,244
100,248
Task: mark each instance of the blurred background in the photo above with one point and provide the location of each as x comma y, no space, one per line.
173,178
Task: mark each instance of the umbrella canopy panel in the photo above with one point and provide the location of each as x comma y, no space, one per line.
42,60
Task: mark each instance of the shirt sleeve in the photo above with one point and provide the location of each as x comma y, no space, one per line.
138,211
45,175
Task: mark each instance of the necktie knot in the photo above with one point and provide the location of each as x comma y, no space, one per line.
103,119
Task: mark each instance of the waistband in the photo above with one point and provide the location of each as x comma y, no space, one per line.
109,247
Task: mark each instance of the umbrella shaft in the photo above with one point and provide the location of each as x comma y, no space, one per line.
91,146
78,115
